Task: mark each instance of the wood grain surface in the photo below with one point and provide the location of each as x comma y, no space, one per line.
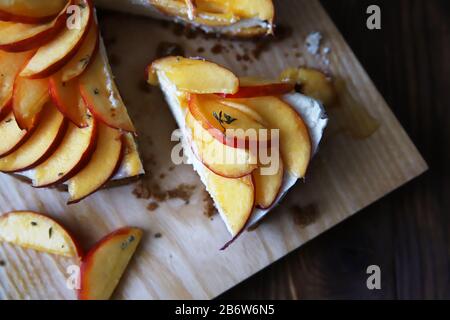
365,155
406,233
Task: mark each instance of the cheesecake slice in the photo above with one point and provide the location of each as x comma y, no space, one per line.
62,120
250,140
241,18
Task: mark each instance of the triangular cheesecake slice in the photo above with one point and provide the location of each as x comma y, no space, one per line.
241,18
250,140
62,120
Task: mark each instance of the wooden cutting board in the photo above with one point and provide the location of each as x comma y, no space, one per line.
365,155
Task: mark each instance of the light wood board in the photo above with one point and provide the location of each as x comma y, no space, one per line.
350,172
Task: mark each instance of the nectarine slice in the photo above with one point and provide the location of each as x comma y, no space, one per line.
101,95
12,137
131,165
26,11
29,97
16,37
295,142
69,158
38,232
261,9
10,66
262,90
267,186
101,167
196,76
53,56
84,55
41,143
66,96
235,197
229,125
313,83
103,266
221,159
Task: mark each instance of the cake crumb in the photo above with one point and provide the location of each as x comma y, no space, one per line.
153,206
158,235
210,209
304,216
2,263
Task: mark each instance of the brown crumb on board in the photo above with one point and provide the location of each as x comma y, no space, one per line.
209,209
304,216
153,206
152,190
158,235
183,192
2,263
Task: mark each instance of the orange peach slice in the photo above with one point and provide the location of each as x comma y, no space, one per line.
101,95
12,137
42,142
69,158
66,96
38,232
101,167
227,124
195,76
295,142
103,266
221,159
16,37
29,97
235,197
84,55
267,186
26,11
55,54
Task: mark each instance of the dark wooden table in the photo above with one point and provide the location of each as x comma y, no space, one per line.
406,233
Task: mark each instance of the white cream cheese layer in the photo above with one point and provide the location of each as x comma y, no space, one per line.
312,112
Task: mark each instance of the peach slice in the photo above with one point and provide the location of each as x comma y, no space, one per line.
262,90
195,76
235,197
29,97
55,54
38,232
262,9
67,98
69,158
12,137
295,142
229,125
101,95
103,266
221,159
131,165
268,186
41,143
26,11
17,37
10,66
101,167
313,83
84,55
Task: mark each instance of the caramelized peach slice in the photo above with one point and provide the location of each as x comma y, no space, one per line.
295,143
69,158
221,159
84,55
236,198
103,266
267,185
12,137
229,125
10,66
35,231
41,143
195,76
66,96
16,37
54,55
28,99
101,95
26,11
101,167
